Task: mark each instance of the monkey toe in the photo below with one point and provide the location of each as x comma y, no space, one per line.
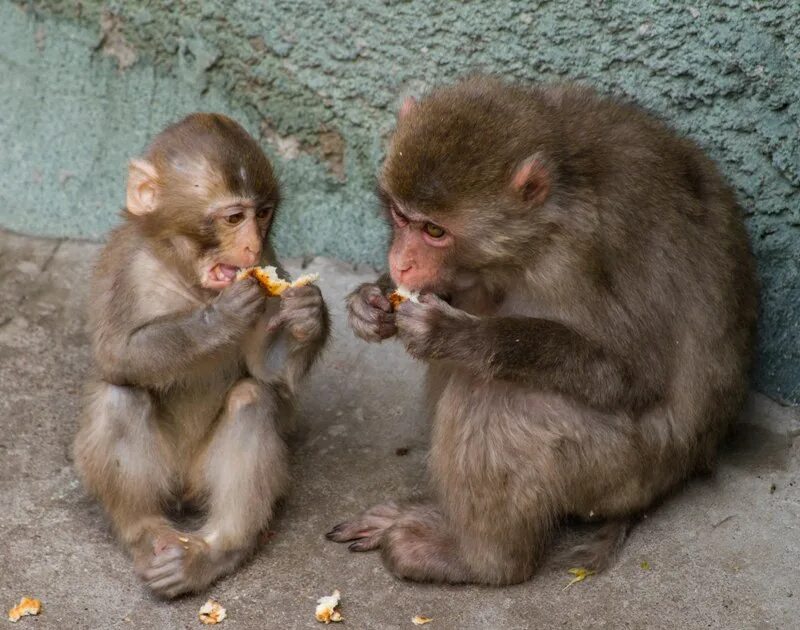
167,555
368,543
167,573
366,529
168,580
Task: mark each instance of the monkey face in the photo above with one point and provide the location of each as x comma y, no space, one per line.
241,228
207,190
421,254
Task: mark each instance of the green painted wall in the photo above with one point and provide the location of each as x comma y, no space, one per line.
83,85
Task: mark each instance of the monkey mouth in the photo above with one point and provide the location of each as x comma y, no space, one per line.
220,276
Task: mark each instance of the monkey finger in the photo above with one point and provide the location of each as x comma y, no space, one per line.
380,301
277,322
372,331
367,332
433,300
387,330
372,316
307,318
314,301
309,290
409,309
359,306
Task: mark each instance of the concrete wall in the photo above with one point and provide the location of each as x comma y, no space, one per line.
83,85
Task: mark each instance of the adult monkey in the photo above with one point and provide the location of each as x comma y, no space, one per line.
195,374
587,317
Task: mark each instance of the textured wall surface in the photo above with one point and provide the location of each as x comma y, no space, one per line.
83,85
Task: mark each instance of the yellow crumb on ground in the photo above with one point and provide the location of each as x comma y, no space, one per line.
645,565
211,613
27,606
580,575
326,611
420,620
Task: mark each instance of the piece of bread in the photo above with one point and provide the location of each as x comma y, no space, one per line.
400,295
328,608
27,606
274,285
212,613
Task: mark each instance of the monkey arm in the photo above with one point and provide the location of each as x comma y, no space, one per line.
163,351
548,353
539,352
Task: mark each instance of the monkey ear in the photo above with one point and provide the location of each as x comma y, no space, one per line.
408,106
531,180
142,187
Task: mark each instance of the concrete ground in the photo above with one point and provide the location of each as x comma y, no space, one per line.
723,553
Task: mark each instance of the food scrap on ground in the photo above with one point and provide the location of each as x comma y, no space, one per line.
211,613
420,620
645,565
327,608
268,278
27,606
580,575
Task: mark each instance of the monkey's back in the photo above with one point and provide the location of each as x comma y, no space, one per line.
676,251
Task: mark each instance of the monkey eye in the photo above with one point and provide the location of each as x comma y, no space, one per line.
233,219
434,231
263,213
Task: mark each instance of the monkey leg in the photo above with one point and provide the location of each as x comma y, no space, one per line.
125,462
243,471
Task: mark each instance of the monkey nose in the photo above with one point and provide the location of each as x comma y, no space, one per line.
250,256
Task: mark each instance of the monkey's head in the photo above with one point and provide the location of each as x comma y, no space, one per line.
467,185
207,192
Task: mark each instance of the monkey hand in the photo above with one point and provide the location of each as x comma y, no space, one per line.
303,314
432,329
239,306
370,313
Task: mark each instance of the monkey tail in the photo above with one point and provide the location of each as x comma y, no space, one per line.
600,552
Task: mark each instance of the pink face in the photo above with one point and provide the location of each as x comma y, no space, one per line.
418,251
241,229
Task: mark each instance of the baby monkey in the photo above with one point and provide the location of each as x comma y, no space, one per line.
194,372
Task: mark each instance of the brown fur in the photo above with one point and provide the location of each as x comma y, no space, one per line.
193,389
600,324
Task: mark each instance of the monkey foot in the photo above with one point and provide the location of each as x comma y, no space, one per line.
367,529
174,565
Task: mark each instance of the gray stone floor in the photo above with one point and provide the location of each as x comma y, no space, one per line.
724,553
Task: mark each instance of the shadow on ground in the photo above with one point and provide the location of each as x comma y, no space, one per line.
721,554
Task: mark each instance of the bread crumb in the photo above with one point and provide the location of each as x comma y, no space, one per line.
27,606
268,278
211,613
400,295
420,620
326,608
